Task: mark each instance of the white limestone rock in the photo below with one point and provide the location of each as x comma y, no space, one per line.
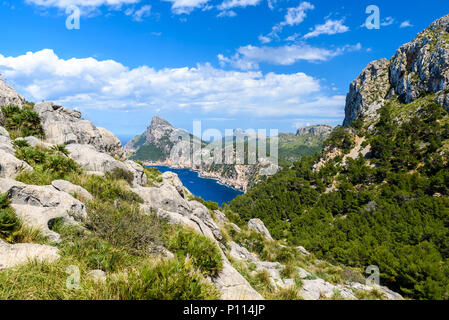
258,226
12,255
64,126
9,96
72,189
10,166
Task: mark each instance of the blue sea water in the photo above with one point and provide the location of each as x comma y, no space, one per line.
206,188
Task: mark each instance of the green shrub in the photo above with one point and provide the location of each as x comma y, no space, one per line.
48,165
60,166
9,222
105,189
32,156
20,143
153,175
125,226
168,280
22,122
61,149
290,293
204,252
208,204
121,174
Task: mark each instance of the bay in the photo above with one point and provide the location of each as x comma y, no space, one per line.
206,188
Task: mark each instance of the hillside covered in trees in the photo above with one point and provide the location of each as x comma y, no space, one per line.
378,193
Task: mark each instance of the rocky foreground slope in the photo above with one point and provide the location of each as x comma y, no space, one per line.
71,173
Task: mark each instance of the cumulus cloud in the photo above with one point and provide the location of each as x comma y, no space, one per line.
249,57
406,24
186,6
330,27
90,83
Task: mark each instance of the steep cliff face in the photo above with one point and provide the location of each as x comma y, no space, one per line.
418,68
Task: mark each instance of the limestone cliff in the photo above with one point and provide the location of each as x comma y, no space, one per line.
418,68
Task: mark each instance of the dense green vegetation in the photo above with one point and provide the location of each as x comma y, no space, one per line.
204,252
390,209
149,152
22,122
292,147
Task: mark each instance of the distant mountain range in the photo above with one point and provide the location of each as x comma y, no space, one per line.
154,146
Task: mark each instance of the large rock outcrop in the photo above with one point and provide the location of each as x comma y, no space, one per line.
418,68
91,160
10,166
9,96
64,126
39,205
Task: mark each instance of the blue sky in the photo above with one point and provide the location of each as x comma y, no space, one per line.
276,64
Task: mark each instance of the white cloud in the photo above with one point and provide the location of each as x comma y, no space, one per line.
293,17
264,39
297,15
90,83
229,4
388,21
406,24
249,57
292,37
330,27
140,14
227,13
80,3
186,6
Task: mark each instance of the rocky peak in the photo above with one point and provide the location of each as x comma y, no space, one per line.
316,130
418,68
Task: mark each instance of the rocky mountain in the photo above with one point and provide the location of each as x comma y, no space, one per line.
378,193
68,202
419,68
316,130
154,146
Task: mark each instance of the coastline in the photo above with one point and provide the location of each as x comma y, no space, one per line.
203,174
